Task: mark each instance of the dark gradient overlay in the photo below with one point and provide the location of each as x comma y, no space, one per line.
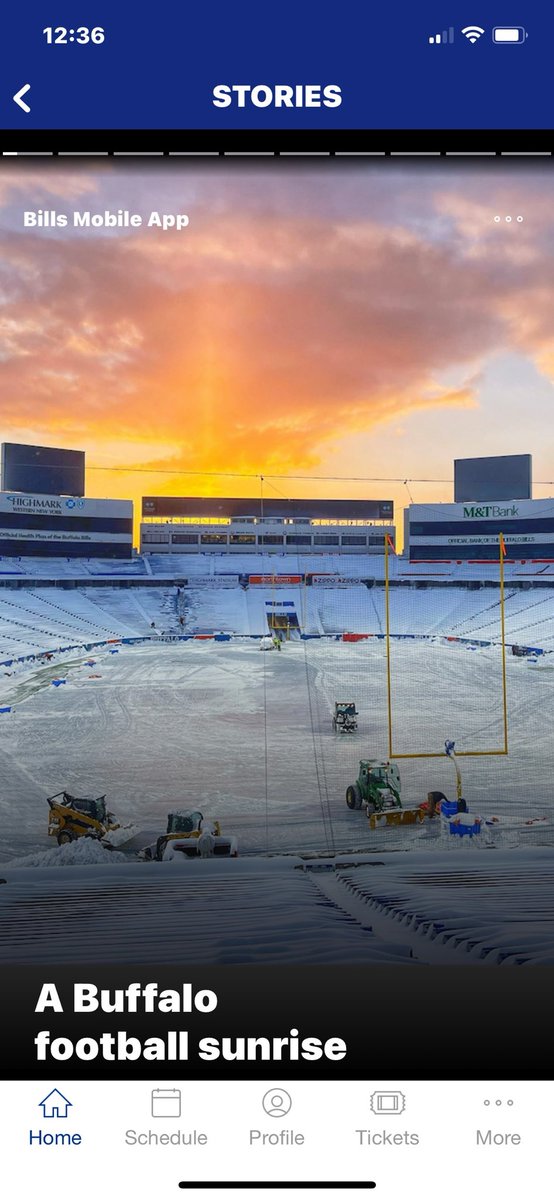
394,1020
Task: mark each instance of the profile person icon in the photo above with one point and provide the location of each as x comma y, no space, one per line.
277,1102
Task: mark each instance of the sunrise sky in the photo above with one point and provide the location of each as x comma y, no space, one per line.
359,320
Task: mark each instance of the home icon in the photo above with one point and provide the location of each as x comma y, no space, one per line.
55,1105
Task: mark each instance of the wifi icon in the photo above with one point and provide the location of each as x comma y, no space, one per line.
473,32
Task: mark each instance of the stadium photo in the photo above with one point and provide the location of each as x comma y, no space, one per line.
277,566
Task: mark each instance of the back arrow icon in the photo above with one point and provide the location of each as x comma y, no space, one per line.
18,100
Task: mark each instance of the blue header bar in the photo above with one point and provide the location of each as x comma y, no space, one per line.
285,66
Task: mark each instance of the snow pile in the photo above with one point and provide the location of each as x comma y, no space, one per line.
84,852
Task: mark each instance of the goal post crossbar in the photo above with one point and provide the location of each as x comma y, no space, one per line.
438,754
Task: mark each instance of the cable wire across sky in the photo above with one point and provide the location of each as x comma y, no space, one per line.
266,475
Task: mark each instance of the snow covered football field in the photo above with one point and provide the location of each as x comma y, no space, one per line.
246,737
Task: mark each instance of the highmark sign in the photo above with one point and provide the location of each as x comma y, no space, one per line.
32,503
483,511
24,504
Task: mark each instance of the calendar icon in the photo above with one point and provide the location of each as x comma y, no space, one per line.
166,1102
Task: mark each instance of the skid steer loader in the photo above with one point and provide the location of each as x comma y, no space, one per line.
188,833
72,817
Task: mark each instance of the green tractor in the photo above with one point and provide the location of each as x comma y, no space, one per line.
377,787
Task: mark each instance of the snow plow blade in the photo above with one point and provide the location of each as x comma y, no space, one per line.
396,816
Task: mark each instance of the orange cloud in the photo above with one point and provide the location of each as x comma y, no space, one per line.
252,343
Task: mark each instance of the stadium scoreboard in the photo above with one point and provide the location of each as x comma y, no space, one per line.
496,477
44,469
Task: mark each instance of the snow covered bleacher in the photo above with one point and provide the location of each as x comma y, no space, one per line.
71,568
61,602
32,620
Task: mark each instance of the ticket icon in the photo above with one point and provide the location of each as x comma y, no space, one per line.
387,1104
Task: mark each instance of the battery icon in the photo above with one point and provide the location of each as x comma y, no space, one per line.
509,35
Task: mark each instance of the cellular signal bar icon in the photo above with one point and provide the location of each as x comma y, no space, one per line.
442,39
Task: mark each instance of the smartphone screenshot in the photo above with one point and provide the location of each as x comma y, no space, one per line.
276,601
